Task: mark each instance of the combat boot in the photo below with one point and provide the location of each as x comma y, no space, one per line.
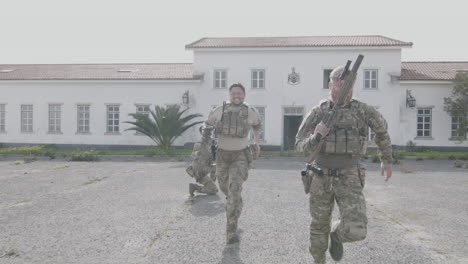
192,188
336,247
319,262
318,258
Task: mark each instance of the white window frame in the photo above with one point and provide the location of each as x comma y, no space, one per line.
55,118
368,80
422,119
257,82
455,125
141,109
218,78
83,125
113,118
2,118
27,115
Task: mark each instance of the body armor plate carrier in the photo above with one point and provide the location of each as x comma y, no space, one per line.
234,121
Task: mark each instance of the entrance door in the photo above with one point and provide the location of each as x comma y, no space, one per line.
291,126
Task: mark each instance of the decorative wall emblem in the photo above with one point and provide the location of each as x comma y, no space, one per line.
294,77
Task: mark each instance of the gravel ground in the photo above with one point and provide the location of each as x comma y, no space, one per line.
137,210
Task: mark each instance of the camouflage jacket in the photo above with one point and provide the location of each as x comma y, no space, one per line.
366,115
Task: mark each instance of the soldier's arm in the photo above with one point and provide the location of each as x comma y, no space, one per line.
213,117
256,124
305,140
378,125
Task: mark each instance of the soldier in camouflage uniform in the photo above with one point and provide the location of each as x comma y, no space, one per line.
202,168
344,177
233,122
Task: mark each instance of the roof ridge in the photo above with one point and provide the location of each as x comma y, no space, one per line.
196,41
434,62
296,41
393,39
302,36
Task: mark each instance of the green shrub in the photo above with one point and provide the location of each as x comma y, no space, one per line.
458,164
50,154
419,159
451,157
410,146
84,155
423,149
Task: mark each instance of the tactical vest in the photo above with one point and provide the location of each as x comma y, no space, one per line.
346,136
234,121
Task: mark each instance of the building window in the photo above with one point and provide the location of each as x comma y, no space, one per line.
258,79
370,79
424,122
26,118
54,118
457,122
326,78
83,118
144,110
113,116
220,79
2,118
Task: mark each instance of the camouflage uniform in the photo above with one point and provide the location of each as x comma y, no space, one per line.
233,156
203,170
344,177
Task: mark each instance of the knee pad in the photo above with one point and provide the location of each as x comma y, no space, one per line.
235,187
318,227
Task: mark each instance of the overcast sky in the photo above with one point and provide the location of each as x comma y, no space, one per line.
105,31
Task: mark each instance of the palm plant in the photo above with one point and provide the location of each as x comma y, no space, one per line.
163,125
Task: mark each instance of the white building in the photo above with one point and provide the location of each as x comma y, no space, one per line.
284,77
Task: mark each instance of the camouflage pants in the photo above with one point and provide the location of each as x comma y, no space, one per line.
231,171
346,190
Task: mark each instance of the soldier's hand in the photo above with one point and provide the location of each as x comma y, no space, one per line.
386,170
322,129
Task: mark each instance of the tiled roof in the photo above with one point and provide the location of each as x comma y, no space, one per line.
140,71
431,70
312,41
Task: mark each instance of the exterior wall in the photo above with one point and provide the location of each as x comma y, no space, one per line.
389,97
310,64
96,93
428,95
